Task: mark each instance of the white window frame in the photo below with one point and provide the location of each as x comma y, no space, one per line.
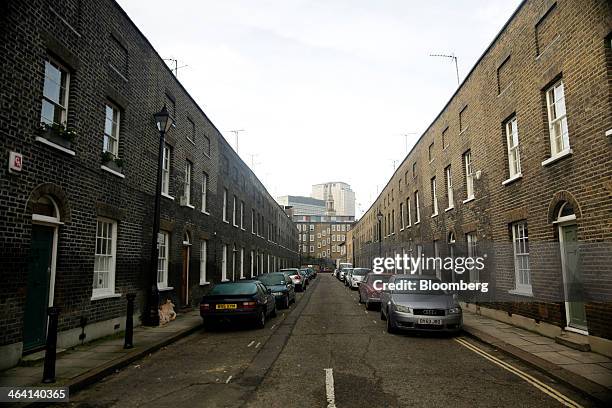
557,120
205,192
110,256
224,263
187,184
416,208
241,263
166,161
234,212
203,258
163,255
253,221
114,129
409,212
252,264
522,270
402,216
469,175
434,198
242,215
225,205
61,104
472,251
512,145
449,188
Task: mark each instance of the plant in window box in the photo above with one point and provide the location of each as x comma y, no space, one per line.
109,160
58,133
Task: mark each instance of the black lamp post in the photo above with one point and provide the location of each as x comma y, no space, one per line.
164,121
379,216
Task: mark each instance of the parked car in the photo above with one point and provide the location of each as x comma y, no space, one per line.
357,276
335,274
342,274
310,273
419,310
281,286
306,278
234,301
347,276
298,281
371,287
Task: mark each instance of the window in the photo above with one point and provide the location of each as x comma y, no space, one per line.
252,264
451,251
253,221
438,265
203,258
241,263
449,187
434,200
224,264
104,262
204,193
408,213
234,212
392,221
469,176
512,141
472,252
191,132
333,227
225,205
431,152
166,171
416,208
111,130
557,119
242,214
414,172
343,228
402,218
463,125
445,138
187,184
504,78
206,145
319,235
162,260
520,242
318,245
55,95
311,227
311,237
333,238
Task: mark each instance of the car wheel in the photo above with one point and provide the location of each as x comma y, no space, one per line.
391,328
360,301
273,313
367,305
261,320
382,314
286,305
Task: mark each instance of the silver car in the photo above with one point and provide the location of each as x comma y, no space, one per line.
342,273
406,306
297,279
357,276
347,275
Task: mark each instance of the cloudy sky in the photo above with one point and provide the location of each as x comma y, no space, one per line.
324,89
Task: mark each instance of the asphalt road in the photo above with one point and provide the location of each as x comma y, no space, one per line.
326,351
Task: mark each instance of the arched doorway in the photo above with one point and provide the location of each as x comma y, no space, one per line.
184,295
41,271
570,264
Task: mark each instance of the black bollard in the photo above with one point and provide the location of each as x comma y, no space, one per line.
129,322
51,349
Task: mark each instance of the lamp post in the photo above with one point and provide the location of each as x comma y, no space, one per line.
163,121
379,216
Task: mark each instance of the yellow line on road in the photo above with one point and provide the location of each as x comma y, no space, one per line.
530,379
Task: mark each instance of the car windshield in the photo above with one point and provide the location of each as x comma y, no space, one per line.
413,286
379,278
271,279
238,288
290,271
360,271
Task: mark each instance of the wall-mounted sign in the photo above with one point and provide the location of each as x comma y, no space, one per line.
15,162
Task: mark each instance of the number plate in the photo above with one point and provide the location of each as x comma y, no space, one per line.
429,321
226,306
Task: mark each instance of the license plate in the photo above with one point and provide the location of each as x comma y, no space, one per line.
226,306
430,321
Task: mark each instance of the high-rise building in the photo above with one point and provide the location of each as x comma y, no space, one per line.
303,205
341,194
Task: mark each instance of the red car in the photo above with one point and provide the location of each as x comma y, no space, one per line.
370,288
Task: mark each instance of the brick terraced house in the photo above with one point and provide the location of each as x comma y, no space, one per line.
518,166
79,85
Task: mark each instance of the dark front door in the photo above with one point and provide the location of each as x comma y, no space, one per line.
185,277
37,296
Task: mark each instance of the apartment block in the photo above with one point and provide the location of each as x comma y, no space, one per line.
322,237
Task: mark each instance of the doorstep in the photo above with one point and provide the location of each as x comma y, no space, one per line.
574,340
585,371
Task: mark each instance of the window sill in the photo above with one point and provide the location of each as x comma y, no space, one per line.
204,283
463,131
169,197
188,206
242,229
113,172
166,289
557,157
512,179
205,212
192,142
225,221
449,208
106,296
417,223
468,200
55,146
434,215
225,280
609,132
521,292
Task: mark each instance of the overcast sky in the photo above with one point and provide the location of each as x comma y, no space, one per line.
324,89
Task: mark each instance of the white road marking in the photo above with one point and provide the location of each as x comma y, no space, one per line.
273,326
251,343
258,344
329,388
228,379
375,321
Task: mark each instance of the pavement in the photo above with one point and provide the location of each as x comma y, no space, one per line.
588,372
326,350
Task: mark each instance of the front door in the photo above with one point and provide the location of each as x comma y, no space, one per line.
37,297
185,277
572,276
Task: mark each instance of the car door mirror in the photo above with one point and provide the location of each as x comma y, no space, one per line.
269,291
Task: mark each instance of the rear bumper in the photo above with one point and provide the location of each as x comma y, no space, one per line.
229,315
410,322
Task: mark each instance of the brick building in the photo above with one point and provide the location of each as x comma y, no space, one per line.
79,84
518,166
321,237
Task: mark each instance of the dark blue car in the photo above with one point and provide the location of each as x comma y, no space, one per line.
281,286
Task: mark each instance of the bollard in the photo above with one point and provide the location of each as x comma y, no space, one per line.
129,322
51,348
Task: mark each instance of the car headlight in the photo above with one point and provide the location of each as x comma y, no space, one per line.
454,310
403,309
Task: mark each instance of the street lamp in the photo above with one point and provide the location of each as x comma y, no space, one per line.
164,122
379,216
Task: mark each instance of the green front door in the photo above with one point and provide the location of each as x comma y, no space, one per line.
37,297
574,291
